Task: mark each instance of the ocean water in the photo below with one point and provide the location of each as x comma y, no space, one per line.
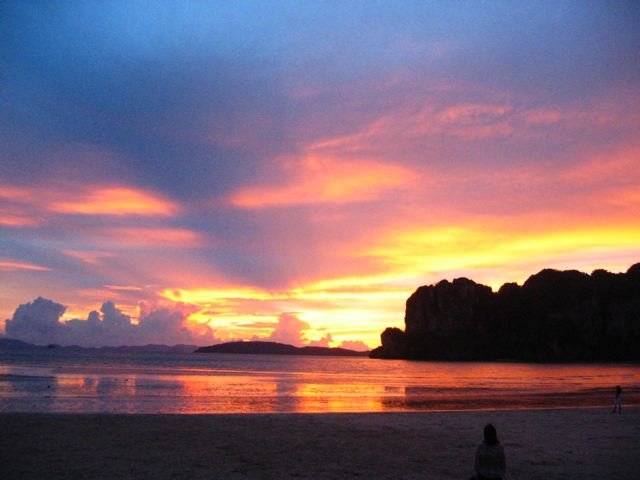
99,382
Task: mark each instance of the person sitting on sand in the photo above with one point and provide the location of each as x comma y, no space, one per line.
617,401
490,462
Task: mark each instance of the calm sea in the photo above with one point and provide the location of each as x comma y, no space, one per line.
62,381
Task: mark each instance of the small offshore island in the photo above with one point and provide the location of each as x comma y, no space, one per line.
555,316
274,348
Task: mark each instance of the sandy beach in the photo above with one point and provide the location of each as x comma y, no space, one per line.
546,444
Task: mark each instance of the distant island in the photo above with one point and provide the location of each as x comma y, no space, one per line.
274,348
18,345
554,316
267,348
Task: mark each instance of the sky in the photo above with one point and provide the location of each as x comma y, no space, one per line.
199,172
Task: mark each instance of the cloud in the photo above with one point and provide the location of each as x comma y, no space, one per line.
13,265
113,317
158,324
319,180
123,288
13,214
23,204
354,345
322,342
39,322
117,201
289,329
36,322
410,122
92,257
17,220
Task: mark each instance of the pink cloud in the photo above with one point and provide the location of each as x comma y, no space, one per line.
289,329
17,220
15,265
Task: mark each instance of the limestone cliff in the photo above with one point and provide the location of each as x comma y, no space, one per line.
554,316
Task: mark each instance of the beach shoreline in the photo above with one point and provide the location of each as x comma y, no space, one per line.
550,444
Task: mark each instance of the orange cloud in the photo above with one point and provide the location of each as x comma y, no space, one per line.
319,179
116,201
28,207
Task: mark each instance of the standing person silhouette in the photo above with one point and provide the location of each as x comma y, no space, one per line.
617,401
490,462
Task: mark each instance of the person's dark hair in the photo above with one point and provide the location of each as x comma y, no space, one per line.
490,434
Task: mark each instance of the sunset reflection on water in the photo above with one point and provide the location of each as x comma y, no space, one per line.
196,384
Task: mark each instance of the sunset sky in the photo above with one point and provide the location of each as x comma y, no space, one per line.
293,171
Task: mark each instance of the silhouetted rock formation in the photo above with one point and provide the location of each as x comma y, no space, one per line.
554,316
273,348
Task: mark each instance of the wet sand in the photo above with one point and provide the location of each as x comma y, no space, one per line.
546,444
